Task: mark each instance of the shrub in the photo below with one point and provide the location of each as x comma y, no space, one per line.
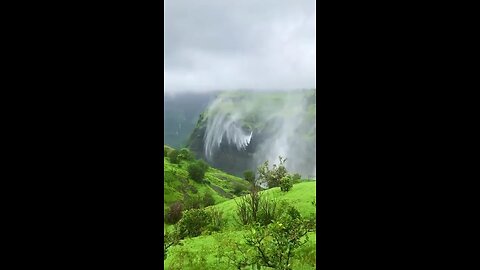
216,220
238,188
185,154
173,156
174,213
192,202
196,170
272,177
276,243
193,222
196,221
296,178
286,183
208,199
249,176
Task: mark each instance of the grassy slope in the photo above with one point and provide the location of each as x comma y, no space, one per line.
176,181
300,196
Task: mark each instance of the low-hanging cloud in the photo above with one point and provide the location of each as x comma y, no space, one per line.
227,44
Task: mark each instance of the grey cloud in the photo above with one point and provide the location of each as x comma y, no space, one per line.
226,44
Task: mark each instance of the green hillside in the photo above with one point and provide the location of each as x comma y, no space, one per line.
177,183
201,252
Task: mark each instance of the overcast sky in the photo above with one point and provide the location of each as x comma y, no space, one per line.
239,44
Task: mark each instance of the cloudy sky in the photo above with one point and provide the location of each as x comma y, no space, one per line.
239,44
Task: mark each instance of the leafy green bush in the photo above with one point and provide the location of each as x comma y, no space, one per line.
272,177
208,199
173,156
196,170
185,154
275,244
196,221
296,178
217,222
286,183
238,188
192,202
249,176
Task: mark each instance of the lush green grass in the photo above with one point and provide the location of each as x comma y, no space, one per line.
177,182
200,252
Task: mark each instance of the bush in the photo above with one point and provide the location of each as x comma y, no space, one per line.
196,221
216,220
276,243
286,183
238,188
208,199
249,176
272,177
173,156
185,154
296,178
196,170
174,213
192,202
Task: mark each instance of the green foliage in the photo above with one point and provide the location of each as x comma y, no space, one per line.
286,183
174,213
169,239
196,170
217,221
249,176
238,188
276,243
255,208
185,154
193,222
208,199
173,156
196,221
296,178
192,201
272,176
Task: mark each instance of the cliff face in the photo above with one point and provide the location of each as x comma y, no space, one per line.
240,130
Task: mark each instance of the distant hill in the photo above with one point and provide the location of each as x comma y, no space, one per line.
181,113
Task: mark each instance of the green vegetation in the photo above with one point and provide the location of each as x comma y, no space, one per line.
213,224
